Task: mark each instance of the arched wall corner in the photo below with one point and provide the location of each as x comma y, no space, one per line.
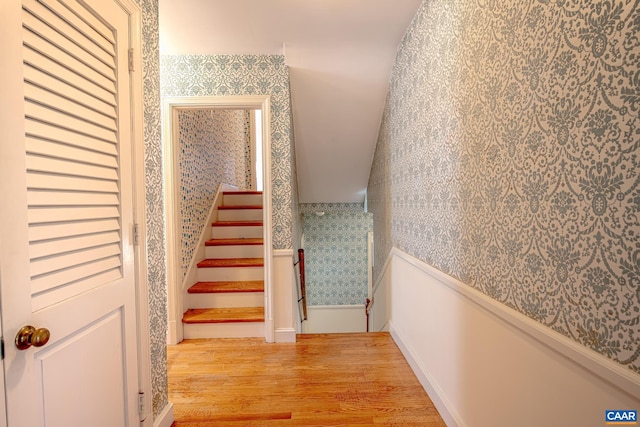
170,108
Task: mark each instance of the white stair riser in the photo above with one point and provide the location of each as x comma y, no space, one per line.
240,215
226,300
234,251
233,274
242,199
236,232
224,330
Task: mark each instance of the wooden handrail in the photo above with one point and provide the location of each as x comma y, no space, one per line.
367,310
303,287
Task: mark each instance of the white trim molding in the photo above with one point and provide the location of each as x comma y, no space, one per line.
483,363
285,335
166,417
139,206
283,321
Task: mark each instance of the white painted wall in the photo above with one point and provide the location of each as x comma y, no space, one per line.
326,319
484,364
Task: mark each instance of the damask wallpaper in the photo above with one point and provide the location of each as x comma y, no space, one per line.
336,252
213,150
508,157
217,75
156,272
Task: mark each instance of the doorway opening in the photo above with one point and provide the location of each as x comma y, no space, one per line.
259,108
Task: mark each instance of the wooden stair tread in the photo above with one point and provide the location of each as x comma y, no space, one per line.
238,207
231,262
223,315
237,223
240,192
224,287
234,242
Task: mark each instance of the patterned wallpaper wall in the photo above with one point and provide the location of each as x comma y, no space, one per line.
248,149
156,272
508,157
213,150
216,75
335,246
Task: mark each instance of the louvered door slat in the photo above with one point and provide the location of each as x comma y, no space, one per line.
64,261
43,30
69,24
56,134
69,183
49,215
68,276
90,19
46,115
50,149
60,66
52,247
47,231
53,100
70,198
64,167
63,59
42,299
64,89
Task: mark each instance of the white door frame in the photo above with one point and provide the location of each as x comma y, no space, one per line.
170,108
140,215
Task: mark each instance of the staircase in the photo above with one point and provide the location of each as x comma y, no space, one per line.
228,299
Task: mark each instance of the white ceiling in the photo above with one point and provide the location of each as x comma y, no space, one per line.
339,53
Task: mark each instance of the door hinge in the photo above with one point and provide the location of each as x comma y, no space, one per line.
141,405
1,348
131,70
136,235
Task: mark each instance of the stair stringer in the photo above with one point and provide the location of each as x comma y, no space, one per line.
199,254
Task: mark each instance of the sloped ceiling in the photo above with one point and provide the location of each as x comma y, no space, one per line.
339,53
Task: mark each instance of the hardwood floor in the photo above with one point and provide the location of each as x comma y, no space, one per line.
322,380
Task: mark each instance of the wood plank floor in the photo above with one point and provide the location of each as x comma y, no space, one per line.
322,380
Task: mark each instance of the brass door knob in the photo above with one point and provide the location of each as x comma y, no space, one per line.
29,336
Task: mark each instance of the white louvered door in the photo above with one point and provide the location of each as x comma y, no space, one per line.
66,250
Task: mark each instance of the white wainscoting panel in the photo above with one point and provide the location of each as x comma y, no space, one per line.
284,289
484,364
335,319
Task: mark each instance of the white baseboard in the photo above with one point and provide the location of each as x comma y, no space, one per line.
286,335
324,319
483,363
436,394
174,335
165,418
